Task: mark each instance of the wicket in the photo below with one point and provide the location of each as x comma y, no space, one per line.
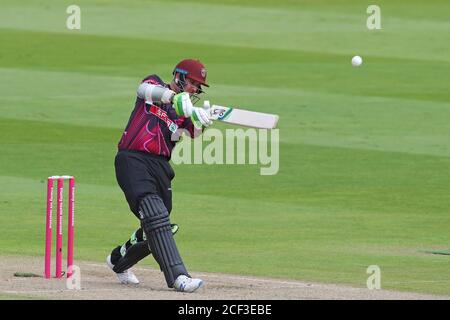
59,216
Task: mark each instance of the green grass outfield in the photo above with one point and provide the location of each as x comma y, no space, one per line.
364,173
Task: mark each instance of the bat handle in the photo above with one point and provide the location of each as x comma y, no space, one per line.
207,107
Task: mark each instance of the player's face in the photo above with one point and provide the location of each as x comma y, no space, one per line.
191,86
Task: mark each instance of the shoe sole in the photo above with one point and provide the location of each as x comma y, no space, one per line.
198,287
129,283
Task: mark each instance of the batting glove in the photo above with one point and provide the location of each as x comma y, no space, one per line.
200,117
182,104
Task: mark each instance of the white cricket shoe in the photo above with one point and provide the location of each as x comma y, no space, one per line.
126,277
186,284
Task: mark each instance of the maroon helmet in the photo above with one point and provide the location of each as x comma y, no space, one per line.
192,69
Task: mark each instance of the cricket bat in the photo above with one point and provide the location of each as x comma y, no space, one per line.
242,117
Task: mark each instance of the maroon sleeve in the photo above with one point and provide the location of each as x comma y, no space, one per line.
153,79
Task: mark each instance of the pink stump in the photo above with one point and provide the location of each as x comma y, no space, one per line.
48,229
70,222
59,215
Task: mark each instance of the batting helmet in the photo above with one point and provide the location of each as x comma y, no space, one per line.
192,69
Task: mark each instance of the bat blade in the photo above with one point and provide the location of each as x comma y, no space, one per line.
245,118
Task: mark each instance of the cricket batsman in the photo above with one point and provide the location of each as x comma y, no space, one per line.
144,174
